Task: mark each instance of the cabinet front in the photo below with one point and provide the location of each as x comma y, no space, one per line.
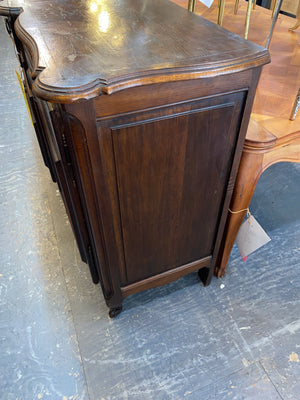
171,169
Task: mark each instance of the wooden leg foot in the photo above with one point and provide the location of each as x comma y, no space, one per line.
114,311
205,276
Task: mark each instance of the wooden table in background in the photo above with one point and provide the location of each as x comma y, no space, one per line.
271,136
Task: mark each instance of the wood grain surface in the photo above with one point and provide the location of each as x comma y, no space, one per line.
86,47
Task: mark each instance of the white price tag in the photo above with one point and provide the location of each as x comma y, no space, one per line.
207,3
250,237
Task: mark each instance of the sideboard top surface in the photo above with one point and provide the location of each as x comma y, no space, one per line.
81,48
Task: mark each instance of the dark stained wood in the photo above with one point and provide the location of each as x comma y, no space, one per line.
161,162
86,50
165,277
149,109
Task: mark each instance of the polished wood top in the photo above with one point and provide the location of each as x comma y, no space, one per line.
84,47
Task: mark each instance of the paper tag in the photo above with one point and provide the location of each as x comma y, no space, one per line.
24,95
207,3
250,237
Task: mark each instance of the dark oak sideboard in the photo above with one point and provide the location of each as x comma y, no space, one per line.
141,110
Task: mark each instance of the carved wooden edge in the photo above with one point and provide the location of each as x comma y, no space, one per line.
258,138
23,35
261,147
100,86
10,11
31,45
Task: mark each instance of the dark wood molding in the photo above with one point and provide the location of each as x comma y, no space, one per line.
32,47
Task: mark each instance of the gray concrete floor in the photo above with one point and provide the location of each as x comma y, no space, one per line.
239,338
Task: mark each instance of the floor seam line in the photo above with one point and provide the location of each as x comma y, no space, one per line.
270,379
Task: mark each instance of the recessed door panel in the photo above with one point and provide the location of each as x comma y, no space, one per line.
172,174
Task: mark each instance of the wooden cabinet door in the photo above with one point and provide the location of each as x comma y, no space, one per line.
172,168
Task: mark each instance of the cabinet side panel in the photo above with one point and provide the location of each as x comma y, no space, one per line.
172,174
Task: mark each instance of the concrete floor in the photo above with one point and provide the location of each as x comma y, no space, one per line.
237,339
